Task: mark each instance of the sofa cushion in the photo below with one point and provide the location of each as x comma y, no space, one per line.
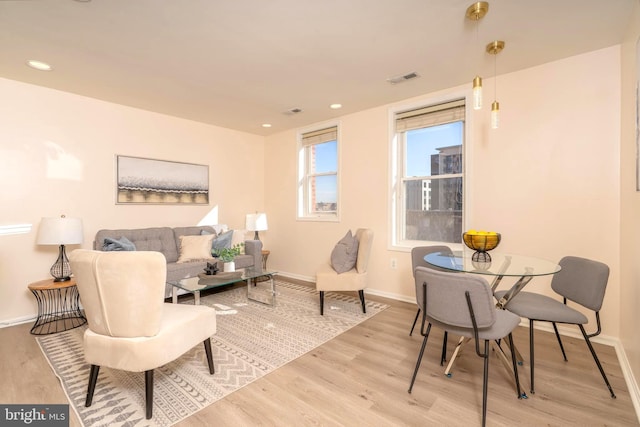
121,244
195,248
345,254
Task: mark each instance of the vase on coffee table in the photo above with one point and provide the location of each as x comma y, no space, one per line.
229,266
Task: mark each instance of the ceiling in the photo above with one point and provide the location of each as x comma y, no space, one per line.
241,63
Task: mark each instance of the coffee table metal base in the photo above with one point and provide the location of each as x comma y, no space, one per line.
258,294
254,291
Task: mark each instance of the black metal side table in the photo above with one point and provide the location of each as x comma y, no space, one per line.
58,306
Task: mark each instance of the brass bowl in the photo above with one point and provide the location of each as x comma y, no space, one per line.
481,241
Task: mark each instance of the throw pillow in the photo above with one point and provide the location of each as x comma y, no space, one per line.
122,244
195,248
222,241
345,254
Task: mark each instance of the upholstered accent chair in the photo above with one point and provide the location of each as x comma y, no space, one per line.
581,281
130,326
327,279
463,304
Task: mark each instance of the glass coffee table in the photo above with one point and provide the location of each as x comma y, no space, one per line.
254,292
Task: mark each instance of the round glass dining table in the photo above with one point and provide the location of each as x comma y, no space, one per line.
501,265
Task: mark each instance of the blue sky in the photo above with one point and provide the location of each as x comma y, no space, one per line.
326,161
422,143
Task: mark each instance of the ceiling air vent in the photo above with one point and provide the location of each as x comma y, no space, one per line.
293,111
404,78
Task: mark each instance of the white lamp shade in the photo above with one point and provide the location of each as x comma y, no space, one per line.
257,222
60,231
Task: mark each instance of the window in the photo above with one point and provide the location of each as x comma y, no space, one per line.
318,174
429,174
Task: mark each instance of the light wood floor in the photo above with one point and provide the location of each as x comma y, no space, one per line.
361,379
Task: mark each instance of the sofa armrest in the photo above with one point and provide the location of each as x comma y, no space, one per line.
254,248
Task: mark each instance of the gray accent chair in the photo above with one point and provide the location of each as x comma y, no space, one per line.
130,326
417,260
463,304
580,280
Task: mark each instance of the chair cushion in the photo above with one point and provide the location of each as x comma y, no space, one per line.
345,254
541,307
181,328
505,323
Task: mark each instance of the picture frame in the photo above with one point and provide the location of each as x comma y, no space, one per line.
160,182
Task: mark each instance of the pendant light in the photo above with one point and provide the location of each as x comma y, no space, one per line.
494,48
476,12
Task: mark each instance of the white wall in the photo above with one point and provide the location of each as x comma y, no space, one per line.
548,179
630,206
57,155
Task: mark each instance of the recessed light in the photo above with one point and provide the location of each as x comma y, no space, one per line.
39,65
266,125
335,106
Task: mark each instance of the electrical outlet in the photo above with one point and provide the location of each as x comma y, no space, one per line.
394,263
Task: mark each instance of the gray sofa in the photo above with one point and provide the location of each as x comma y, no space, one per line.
167,241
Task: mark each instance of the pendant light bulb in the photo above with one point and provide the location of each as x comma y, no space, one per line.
477,93
495,115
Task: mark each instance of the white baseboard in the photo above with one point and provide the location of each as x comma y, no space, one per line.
629,378
17,321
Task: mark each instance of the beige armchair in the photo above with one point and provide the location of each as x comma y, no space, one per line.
130,326
327,279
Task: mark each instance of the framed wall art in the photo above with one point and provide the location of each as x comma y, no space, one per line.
149,181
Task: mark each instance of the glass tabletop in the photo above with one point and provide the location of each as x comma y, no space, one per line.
501,264
202,282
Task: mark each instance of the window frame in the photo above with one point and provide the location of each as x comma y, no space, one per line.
396,195
303,211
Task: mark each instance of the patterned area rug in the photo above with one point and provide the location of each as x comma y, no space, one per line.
252,340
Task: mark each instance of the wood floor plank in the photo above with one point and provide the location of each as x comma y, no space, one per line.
362,376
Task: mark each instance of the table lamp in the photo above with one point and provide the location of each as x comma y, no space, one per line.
257,222
60,231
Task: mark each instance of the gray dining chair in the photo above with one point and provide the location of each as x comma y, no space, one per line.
463,304
580,280
417,260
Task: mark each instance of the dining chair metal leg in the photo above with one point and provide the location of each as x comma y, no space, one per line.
595,357
555,328
424,344
485,382
414,322
443,358
531,353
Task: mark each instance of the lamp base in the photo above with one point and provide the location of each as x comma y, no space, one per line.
255,236
61,270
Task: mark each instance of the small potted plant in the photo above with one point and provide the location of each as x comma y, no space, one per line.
227,255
